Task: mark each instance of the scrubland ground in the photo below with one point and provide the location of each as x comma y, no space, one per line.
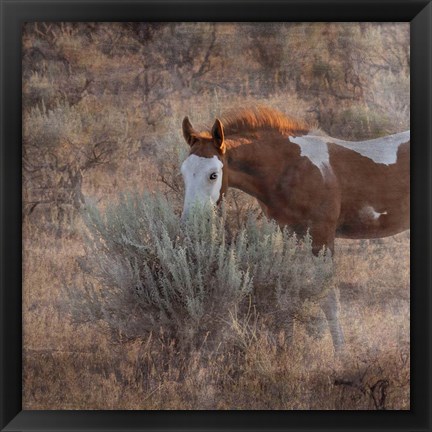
102,109
69,366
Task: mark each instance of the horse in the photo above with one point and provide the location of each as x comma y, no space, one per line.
303,179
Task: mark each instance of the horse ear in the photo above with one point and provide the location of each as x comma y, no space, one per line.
188,131
218,135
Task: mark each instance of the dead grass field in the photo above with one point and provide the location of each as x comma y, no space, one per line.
80,366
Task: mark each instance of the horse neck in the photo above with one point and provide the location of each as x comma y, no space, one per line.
254,162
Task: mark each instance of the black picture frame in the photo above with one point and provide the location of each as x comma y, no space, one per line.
15,12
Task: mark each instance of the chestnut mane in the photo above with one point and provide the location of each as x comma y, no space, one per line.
245,120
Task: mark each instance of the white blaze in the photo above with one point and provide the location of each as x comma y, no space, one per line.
199,187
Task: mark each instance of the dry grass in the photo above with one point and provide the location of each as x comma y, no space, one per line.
69,366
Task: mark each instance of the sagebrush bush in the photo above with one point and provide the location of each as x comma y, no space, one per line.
155,272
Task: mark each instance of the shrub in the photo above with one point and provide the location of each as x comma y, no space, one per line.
61,145
186,278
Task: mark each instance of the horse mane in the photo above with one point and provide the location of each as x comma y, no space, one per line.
260,117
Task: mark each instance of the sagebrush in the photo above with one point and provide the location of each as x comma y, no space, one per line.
188,278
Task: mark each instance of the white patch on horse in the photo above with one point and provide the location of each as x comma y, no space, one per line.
380,150
315,149
368,213
199,188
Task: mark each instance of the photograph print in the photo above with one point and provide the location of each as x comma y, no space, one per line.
216,216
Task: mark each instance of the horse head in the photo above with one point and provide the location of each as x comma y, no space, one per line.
204,170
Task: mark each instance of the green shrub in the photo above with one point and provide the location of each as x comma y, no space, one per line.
186,278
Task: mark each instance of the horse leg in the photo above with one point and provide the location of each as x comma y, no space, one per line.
330,307
318,241
324,235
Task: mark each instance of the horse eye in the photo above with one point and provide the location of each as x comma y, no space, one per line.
213,176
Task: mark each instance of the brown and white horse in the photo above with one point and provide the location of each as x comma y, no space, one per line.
303,178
